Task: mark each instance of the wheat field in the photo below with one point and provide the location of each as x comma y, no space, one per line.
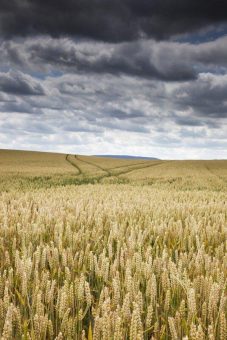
98,248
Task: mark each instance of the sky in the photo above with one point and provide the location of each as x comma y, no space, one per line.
136,77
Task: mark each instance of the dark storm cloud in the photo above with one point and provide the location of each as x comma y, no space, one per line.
17,83
116,20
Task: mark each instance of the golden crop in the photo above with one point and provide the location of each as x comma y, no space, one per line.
114,254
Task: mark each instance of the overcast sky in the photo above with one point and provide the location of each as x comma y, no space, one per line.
139,77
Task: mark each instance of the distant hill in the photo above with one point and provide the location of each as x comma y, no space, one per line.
127,157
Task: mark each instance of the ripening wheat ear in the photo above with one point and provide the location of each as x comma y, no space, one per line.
191,303
223,333
211,333
6,298
59,337
17,322
8,324
117,329
106,326
126,310
50,329
116,291
172,328
136,328
88,296
193,332
150,313
97,328
1,287
167,301
200,333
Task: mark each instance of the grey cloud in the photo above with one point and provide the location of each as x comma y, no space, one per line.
206,97
144,103
92,101
127,113
136,59
123,115
191,120
16,107
192,133
188,121
166,61
17,83
26,127
129,126
145,114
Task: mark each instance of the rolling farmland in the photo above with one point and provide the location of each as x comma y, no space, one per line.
103,248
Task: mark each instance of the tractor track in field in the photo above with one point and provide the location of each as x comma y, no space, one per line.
110,174
129,165
80,172
143,167
108,171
